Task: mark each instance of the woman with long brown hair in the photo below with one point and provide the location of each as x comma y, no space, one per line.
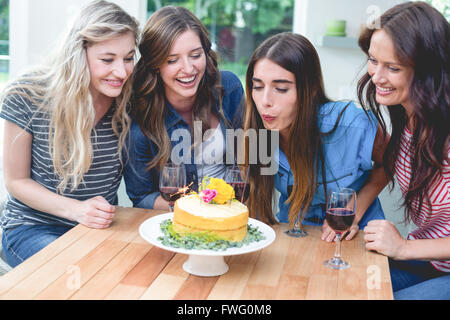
179,92
408,71
323,145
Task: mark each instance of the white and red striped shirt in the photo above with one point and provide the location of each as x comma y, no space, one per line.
433,220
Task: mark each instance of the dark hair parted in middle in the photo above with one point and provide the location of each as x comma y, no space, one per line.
297,55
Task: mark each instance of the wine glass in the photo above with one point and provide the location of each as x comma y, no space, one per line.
297,231
237,177
172,179
340,216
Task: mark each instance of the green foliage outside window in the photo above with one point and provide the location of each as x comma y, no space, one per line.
442,5
4,27
237,27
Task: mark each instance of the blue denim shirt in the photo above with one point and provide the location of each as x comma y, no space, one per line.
348,161
142,185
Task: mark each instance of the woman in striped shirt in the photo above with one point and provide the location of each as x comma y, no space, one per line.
65,127
408,71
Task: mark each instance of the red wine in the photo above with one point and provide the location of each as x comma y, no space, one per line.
170,194
340,219
241,190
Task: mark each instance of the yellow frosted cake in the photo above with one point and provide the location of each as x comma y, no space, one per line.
227,221
221,215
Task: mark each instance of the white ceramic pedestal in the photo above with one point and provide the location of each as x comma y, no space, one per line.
205,266
204,262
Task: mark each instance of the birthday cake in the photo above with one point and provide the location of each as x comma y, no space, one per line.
214,211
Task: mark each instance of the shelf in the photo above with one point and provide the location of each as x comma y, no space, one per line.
338,42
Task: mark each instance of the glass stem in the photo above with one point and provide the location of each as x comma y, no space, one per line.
337,252
297,223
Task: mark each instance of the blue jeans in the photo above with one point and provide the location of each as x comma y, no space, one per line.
418,280
22,242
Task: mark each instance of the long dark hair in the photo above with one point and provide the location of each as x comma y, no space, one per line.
421,37
296,54
149,104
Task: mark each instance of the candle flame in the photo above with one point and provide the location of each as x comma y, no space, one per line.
184,190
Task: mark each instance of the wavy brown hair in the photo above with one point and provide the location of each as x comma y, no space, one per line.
296,54
421,37
149,101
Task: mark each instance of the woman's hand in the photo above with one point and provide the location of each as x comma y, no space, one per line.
383,237
161,204
94,213
329,235
351,233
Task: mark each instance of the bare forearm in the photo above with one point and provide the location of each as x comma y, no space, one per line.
39,198
375,183
426,249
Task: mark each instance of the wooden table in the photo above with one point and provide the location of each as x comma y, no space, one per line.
117,263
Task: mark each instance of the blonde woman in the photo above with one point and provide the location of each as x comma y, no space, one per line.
64,133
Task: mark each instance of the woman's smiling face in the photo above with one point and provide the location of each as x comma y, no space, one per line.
184,68
111,62
391,78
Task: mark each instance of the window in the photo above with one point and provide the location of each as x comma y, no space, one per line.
4,77
4,42
442,5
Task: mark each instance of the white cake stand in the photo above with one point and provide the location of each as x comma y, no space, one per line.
205,263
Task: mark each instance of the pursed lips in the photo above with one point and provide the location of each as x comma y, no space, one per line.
268,118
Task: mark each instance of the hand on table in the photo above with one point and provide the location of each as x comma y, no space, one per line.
329,235
161,204
383,237
95,213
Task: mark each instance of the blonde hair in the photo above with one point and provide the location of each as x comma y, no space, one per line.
61,87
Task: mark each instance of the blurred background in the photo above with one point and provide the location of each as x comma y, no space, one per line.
29,28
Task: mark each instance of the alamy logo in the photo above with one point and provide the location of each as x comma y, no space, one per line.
74,279
374,19
194,151
373,277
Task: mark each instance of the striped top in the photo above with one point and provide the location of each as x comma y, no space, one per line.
433,221
102,179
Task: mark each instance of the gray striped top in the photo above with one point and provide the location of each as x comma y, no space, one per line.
102,179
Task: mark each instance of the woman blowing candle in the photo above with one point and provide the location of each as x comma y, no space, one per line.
324,145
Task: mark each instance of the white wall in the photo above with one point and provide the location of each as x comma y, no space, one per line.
35,26
341,66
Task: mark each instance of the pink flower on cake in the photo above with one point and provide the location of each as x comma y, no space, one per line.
208,195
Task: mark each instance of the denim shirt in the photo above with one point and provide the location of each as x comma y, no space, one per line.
142,185
348,161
